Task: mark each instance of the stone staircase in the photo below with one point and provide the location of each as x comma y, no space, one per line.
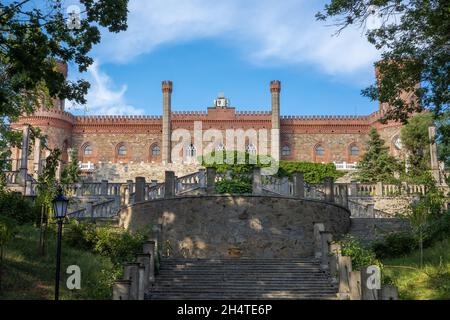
251,279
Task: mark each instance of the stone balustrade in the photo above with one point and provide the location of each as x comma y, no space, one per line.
138,276
364,284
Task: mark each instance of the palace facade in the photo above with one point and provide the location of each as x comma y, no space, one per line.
104,142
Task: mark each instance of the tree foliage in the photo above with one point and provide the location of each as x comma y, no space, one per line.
36,34
377,164
416,142
414,40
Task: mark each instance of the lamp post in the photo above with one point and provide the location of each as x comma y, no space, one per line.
60,204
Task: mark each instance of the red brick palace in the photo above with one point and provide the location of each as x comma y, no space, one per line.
107,140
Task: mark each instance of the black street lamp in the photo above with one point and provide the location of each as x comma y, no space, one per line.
60,204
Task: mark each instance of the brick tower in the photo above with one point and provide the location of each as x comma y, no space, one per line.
166,126
275,88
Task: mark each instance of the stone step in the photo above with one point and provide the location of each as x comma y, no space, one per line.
244,296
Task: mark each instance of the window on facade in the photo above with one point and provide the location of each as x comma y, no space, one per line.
286,151
191,151
220,147
320,151
122,151
88,150
156,151
251,148
354,151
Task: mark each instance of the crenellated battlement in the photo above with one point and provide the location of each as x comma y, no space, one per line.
327,118
253,113
189,113
114,118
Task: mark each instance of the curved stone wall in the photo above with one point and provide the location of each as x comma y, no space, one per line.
234,226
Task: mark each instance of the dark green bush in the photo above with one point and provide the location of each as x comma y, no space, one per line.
361,255
115,243
437,229
14,206
234,186
395,244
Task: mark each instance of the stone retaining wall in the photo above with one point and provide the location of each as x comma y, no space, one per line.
234,226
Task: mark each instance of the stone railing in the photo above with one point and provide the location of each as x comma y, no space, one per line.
102,209
12,177
384,190
360,210
190,182
155,191
364,284
276,185
139,276
344,166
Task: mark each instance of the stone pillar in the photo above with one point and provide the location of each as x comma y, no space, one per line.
368,285
58,170
329,189
104,188
353,189
139,194
345,267
257,186
37,161
327,238
121,290
211,180
149,248
169,185
434,159
355,285
389,292
202,173
343,191
379,189
166,122
145,260
335,253
299,185
131,273
318,228
142,282
24,156
275,89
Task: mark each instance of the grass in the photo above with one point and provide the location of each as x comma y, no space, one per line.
432,282
29,275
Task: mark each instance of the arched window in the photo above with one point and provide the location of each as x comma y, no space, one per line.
88,150
156,151
122,150
191,151
220,147
251,148
320,151
354,150
286,151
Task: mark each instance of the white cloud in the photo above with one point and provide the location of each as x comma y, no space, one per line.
267,31
103,98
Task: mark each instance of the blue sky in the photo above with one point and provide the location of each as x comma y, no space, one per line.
234,46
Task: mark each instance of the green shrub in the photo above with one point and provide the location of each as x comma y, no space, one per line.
395,244
234,186
361,255
312,172
80,235
437,229
14,206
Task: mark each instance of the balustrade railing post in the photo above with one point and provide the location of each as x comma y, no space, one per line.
343,192
211,180
353,189
379,189
202,178
139,194
121,290
318,228
329,189
131,273
169,184
257,186
104,188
